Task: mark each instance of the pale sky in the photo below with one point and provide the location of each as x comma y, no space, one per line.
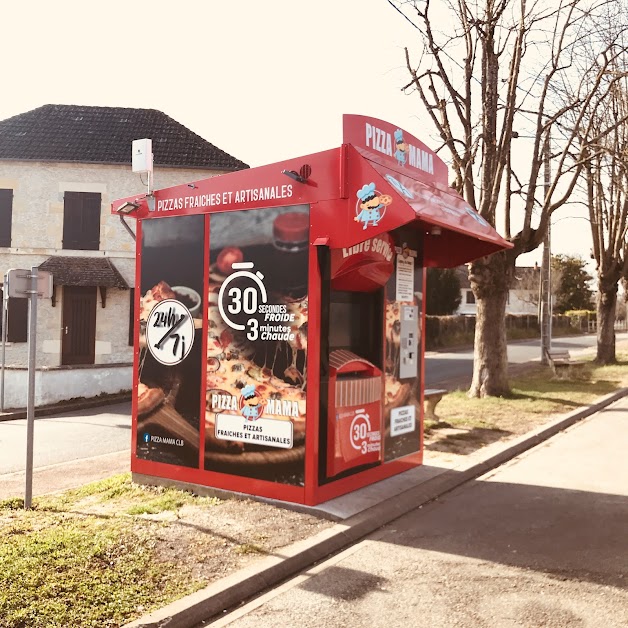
262,80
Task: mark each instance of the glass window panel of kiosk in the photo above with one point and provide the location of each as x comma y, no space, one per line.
356,323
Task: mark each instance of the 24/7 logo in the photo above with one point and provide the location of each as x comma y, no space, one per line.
170,332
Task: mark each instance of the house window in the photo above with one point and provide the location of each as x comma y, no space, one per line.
81,221
6,216
470,297
17,330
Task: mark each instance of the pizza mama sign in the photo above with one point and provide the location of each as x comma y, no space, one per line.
269,432
276,407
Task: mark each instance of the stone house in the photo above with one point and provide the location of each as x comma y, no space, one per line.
523,297
60,168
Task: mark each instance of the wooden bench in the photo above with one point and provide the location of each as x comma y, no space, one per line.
431,397
561,363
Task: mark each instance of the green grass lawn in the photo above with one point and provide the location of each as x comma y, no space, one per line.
535,396
92,556
67,568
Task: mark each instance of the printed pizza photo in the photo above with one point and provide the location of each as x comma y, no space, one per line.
272,370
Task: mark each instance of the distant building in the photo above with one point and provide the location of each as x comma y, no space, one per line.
523,297
60,168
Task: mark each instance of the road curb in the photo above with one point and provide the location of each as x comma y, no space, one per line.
70,406
228,592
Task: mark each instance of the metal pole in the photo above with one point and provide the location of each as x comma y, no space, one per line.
30,407
546,305
5,311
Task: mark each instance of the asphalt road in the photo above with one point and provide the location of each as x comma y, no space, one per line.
68,437
84,434
540,541
444,368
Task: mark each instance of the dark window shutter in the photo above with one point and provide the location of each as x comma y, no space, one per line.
71,220
81,221
6,216
91,221
18,320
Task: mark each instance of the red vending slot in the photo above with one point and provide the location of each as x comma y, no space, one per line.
355,412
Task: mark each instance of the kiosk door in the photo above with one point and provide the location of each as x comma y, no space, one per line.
355,412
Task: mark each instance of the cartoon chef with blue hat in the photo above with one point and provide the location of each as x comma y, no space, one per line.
402,148
372,205
252,403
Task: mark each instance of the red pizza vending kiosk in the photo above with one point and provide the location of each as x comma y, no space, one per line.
279,340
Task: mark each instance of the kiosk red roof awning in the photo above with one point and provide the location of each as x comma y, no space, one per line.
457,233
412,184
380,179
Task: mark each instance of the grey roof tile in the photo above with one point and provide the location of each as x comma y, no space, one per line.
83,271
82,134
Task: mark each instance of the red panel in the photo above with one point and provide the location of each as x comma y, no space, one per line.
313,375
201,427
378,141
265,186
343,222
136,338
211,479
354,434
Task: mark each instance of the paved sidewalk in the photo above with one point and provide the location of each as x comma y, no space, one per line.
71,449
60,477
538,541
360,513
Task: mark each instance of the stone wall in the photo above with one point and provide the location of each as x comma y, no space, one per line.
38,189
37,233
63,384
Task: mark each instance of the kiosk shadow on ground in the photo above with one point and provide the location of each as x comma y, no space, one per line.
566,534
467,441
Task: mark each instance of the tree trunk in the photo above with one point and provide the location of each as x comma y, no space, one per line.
490,281
606,305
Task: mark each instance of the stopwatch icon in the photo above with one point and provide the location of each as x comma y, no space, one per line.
359,430
241,300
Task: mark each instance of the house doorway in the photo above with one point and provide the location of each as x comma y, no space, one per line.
78,333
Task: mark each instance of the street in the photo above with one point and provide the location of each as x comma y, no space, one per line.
449,367
540,541
72,436
69,449
82,435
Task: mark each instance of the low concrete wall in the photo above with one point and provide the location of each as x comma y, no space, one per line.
53,385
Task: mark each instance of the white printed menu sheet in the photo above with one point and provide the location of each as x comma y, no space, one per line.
405,278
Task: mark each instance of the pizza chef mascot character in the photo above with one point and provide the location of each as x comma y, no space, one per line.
371,204
402,148
252,403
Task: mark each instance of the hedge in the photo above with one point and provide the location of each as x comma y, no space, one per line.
447,331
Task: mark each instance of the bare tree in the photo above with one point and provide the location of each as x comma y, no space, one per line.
491,73
607,195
